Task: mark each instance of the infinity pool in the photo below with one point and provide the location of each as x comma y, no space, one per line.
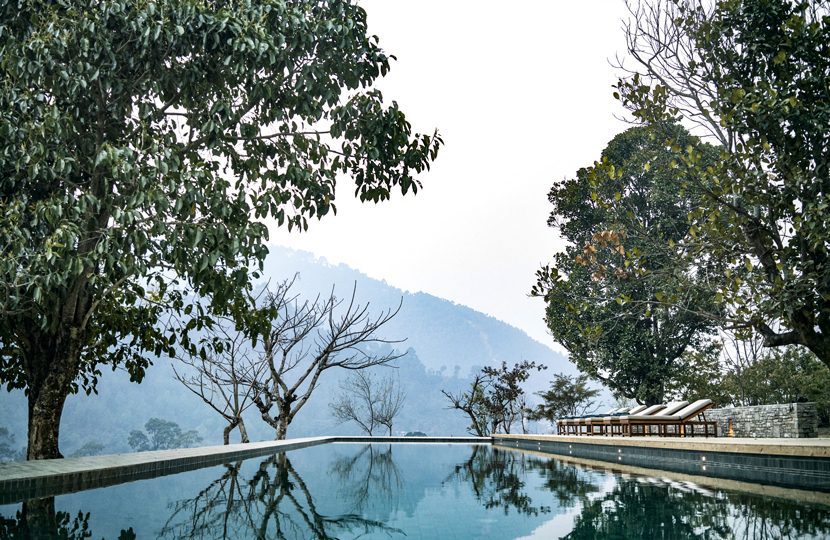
414,491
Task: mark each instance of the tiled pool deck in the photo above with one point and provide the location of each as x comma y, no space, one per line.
792,463
31,479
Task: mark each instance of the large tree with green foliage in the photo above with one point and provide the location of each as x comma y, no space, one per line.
142,144
753,75
782,375
611,295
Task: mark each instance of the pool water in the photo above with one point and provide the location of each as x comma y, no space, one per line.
413,491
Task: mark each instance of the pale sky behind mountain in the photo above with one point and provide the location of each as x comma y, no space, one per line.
522,95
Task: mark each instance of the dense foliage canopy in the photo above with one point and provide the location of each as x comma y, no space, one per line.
621,298
142,144
753,76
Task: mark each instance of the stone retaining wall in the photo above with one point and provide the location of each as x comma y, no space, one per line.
790,420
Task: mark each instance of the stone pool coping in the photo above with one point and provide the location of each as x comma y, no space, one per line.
818,448
48,477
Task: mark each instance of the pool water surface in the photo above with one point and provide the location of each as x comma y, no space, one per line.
413,491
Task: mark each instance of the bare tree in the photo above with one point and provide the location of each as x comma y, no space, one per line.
665,54
219,378
368,402
304,339
391,402
273,502
370,473
741,350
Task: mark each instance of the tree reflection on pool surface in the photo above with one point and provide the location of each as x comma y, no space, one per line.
413,491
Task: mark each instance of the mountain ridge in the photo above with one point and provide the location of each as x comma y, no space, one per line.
424,317
322,261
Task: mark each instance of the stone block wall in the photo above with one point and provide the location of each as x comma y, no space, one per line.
789,420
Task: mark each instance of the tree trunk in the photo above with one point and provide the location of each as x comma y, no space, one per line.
51,363
243,432
819,344
653,397
226,433
282,429
40,518
45,409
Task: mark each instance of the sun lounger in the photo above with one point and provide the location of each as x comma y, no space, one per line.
684,420
625,422
613,424
585,425
570,425
588,424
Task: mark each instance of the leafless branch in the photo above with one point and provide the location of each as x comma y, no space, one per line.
304,339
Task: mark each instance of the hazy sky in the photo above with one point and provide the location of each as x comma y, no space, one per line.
521,92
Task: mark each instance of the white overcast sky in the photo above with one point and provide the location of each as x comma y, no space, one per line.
521,93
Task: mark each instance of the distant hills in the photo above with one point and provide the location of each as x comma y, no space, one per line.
445,343
448,337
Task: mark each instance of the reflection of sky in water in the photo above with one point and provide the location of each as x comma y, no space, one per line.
428,491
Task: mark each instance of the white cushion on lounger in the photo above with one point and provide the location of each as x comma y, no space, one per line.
653,409
647,411
670,409
692,409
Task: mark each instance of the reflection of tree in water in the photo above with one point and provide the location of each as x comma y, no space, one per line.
209,512
274,503
369,473
569,485
635,510
497,478
639,507
38,519
647,508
